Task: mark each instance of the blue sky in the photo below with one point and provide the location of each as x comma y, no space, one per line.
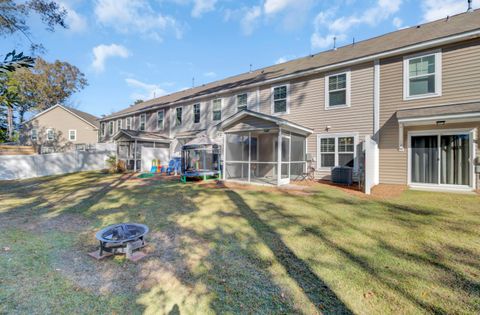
130,49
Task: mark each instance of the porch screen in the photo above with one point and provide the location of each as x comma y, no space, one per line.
424,159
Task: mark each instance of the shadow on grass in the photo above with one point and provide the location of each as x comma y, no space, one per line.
315,288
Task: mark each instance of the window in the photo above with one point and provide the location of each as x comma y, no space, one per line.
280,99
128,123
110,128
50,134
72,135
160,118
178,116
34,134
119,124
337,87
336,150
217,109
422,76
196,113
242,101
143,121
103,129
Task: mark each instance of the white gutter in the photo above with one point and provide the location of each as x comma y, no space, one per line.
385,54
439,117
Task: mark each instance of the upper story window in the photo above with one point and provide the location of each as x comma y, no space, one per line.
217,109
110,128
196,113
34,134
143,121
336,150
50,134
337,90
160,119
72,135
128,123
280,99
422,75
119,124
178,116
242,101
102,129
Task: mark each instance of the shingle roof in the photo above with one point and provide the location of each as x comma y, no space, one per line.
456,24
433,111
141,135
88,117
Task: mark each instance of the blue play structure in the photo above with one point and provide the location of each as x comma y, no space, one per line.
174,166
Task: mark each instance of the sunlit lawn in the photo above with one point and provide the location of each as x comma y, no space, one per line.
236,250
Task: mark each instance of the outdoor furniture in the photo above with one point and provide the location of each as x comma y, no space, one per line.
174,166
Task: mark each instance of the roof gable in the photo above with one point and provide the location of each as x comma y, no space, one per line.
89,119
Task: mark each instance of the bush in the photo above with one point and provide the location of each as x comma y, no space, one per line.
115,166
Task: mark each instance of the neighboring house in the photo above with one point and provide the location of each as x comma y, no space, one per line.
415,92
60,128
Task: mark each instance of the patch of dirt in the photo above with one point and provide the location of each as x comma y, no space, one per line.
384,191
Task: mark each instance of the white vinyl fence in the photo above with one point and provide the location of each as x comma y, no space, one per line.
371,164
149,154
28,166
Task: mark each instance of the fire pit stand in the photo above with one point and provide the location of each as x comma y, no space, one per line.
123,238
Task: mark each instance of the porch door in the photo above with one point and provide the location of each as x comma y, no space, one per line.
441,159
285,161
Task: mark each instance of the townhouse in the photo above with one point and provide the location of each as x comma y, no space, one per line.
401,108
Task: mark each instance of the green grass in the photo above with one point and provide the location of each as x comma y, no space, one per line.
252,250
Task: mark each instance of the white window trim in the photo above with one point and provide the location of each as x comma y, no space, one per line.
128,123
193,113
175,116
119,124
221,108
75,133
438,75
348,74
140,122
236,100
272,101
53,132
441,132
163,120
103,129
36,134
320,136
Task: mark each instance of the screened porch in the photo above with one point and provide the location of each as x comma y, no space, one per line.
252,152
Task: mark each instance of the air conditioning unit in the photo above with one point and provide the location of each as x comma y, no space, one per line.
342,175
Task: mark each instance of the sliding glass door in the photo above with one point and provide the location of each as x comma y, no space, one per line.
440,159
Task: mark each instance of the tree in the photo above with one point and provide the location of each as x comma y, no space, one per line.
45,85
137,102
8,92
14,14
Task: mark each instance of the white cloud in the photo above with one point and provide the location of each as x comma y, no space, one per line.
285,59
144,91
438,9
202,6
397,22
75,21
102,52
127,16
340,26
210,74
250,19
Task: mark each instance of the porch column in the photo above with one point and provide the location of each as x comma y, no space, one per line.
279,156
135,156
400,137
249,155
224,166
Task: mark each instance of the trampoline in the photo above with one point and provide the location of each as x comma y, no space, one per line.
201,159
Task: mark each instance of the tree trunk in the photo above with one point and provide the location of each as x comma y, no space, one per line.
10,123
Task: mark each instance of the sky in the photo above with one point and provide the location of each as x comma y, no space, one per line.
139,49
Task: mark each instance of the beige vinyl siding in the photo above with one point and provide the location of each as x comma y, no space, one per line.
307,107
61,121
460,83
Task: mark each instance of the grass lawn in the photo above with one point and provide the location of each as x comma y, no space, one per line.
236,250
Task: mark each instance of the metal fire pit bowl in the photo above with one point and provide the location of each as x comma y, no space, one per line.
115,238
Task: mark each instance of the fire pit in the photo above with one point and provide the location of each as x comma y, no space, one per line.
123,238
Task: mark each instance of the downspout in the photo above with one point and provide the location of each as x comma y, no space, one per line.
279,156
376,121
135,156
